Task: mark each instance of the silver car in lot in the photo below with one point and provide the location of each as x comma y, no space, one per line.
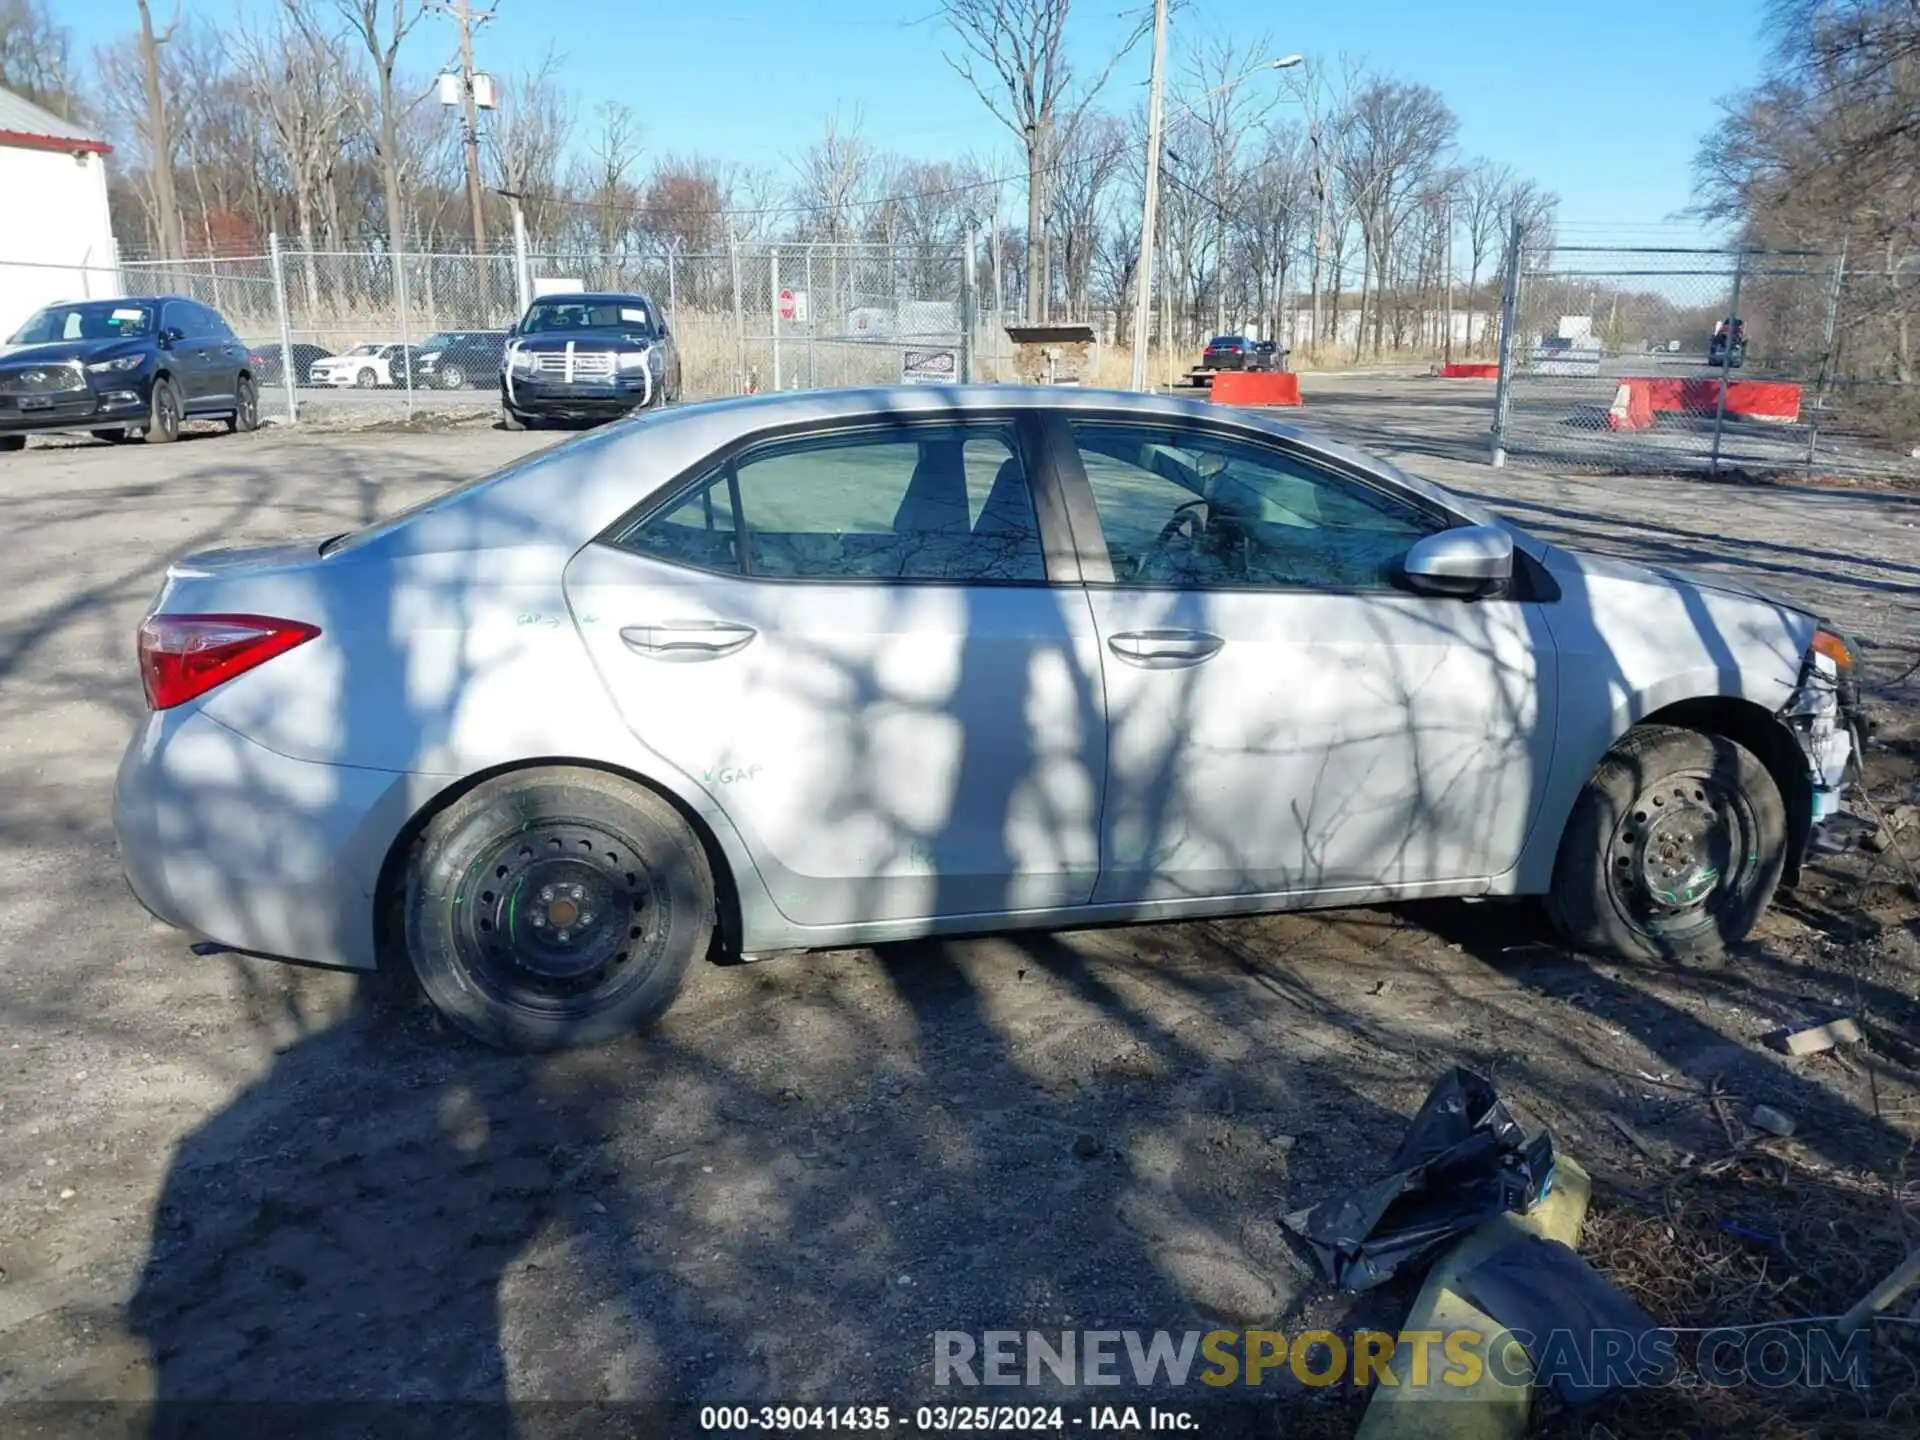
828,669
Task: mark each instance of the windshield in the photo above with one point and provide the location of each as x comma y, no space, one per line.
97,320
364,350
439,342
550,316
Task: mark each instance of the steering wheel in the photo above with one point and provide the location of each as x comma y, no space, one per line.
1188,520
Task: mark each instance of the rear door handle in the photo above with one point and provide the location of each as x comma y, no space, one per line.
1165,649
687,639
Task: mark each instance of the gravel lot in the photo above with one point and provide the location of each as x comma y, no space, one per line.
227,1179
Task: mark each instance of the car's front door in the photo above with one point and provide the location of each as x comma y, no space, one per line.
1283,718
187,353
852,641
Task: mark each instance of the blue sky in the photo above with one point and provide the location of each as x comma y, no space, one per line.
1602,101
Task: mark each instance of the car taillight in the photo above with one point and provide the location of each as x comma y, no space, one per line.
182,656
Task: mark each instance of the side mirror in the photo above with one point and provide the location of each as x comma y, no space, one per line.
170,335
1468,562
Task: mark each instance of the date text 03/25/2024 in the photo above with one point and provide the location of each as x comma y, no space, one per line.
942,1419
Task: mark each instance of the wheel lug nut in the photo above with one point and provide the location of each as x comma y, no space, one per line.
575,891
564,936
546,892
539,921
586,919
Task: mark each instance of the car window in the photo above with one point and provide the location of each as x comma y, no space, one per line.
1190,508
207,325
936,503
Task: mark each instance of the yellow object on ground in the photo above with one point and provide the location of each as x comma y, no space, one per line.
1487,1409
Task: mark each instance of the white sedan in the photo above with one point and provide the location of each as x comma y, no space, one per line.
366,366
828,669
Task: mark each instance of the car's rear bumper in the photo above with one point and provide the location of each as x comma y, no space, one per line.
228,840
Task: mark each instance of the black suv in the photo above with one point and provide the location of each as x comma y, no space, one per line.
587,357
460,359
117,368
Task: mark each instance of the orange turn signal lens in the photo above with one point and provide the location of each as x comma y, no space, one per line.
1826,643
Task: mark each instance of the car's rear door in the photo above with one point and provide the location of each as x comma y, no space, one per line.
1283,718
871,652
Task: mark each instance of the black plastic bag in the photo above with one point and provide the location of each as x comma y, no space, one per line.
1463,1160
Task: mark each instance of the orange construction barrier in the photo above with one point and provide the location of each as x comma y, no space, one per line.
1256,387
1774,401
1463,371
1632,407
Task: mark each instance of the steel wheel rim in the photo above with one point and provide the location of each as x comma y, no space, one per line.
1682,850
530,941
249,406
452,378
166,418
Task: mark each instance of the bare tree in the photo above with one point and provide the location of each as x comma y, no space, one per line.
159,132
383,26
36,57
1089,164
833,175
1013,55
603,179
292,75
530,131
1481,201
1392,137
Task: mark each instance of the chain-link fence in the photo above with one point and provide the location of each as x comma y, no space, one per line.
1750,361
371,332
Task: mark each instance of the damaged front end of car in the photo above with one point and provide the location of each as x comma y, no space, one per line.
1828,719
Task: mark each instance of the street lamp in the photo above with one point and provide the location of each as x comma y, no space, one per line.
1150,203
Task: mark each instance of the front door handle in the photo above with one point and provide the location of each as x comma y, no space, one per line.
1165,649
687,639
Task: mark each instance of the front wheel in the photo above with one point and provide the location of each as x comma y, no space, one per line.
12,442
452,377
556,907
163,413
366,380
510,418
1673,850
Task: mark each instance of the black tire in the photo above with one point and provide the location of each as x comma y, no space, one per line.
163,413
366,379
556,907
452,377
113,437
510,418
1673,850
12,442
246,407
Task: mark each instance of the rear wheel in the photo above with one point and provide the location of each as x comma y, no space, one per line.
163,413
556,907
12,442
113,437
246,407
1674,848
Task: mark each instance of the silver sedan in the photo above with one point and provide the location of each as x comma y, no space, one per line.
831,669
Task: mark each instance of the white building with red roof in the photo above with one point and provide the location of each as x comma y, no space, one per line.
56,240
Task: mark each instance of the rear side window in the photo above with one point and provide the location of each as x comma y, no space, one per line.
930,503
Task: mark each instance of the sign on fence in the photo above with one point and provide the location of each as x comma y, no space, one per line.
929,367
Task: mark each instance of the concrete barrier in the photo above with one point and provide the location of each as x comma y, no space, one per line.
1255,387
1464,371
1774,401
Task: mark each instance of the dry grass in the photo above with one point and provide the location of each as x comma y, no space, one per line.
1765,1233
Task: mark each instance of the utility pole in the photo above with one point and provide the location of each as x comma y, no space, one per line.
1446,339
1143,297
466,17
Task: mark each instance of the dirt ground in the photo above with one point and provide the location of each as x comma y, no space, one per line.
223,1179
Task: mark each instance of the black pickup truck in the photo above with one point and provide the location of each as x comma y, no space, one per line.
587,357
